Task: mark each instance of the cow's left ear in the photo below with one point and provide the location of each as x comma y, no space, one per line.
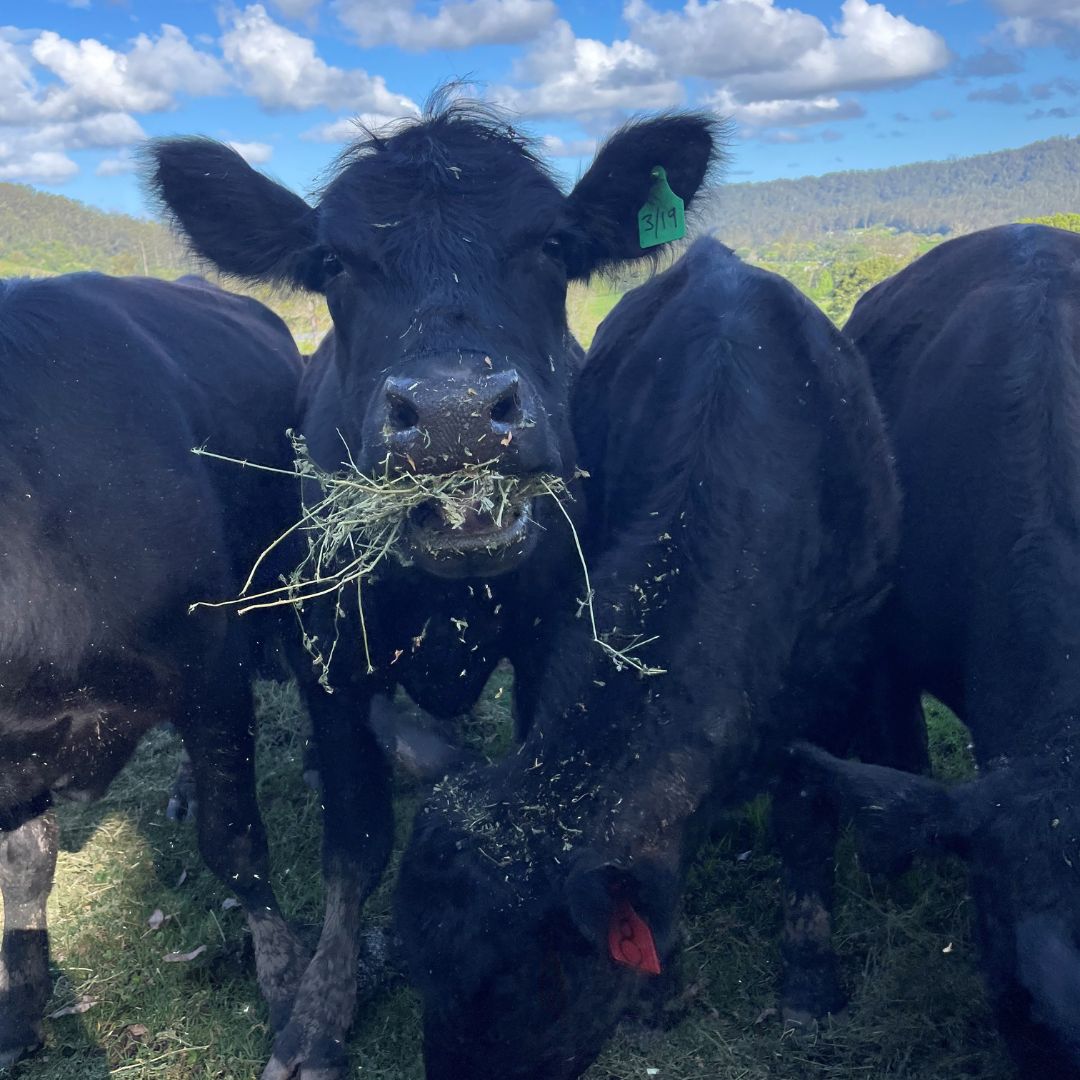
602,210
626,913
896,814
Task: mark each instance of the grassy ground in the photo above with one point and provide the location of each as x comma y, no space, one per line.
917,1009
587,306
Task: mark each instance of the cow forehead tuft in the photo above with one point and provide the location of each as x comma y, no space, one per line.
455,172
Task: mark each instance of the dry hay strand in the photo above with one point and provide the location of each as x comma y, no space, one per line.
358,522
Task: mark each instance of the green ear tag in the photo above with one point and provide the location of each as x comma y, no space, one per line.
661,219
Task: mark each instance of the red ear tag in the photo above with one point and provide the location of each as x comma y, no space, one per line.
630,940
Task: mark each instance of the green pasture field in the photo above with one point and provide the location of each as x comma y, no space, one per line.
587,307
917,1008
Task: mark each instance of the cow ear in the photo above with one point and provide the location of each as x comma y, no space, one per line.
238,219
603,208
627,914
896,814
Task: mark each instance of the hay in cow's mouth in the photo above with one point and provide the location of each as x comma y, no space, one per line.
360,520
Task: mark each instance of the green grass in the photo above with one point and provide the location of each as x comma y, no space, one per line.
917,1010
587,307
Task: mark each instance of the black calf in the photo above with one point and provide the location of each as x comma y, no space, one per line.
973,350
112,527
741,510
444,249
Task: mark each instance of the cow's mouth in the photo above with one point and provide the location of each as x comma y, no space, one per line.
476,529
471,541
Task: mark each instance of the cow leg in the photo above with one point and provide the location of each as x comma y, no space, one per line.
806,830
183,805
27,864
219,737
357,839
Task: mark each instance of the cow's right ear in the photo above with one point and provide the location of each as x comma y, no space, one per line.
238,219
627,913
602,210
896,814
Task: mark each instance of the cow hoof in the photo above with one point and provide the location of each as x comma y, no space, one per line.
297,1057
802,1021
183,804
180,809
277,1070
811,990
16,1049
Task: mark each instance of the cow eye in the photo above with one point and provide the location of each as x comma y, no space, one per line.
332,265
552,247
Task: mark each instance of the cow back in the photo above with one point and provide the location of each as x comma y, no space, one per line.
111,522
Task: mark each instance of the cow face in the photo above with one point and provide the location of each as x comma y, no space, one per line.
444,248
1019,830
517,969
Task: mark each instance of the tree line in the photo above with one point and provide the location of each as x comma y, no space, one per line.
937,198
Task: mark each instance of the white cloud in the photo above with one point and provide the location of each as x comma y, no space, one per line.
108,130
35,167
789,112
455,25
870,48
576,76
719,38
558,147
38,153
347,128
784,137
1063,10
768,65
282,70
58,95
1040,22
117,166
19,100
296,9
86,78
145,79
254,153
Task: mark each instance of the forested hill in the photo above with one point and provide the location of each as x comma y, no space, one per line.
43,233
49,234
933,197
834,236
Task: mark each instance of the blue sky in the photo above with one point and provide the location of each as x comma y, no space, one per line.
812,85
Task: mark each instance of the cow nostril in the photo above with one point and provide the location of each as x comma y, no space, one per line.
402,414
507,410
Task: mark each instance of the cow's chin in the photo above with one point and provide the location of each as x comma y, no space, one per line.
478,547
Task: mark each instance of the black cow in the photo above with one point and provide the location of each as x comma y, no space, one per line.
112,527
741,514
444,249
974,352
